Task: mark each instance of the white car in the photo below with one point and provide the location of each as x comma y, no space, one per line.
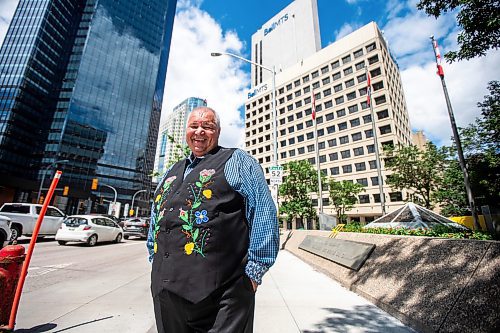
5,232
88,229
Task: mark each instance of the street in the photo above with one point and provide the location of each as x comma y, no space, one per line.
72,288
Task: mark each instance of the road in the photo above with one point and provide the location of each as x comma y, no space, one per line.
76,288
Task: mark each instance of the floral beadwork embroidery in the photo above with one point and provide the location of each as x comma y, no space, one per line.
194,218
159,202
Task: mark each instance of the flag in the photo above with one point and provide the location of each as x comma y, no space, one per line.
440,71
313,107
368,88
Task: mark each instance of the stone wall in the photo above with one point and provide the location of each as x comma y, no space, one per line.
431,284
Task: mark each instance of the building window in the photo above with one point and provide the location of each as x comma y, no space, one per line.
296,83
329,116
282,144
289,87
298,104
385,129
369,133
282,132
353,108
327,92
362,91
291,153
345,153
315,85
339,100
373,164
356,136
396,196
360,166
300,126
335,64
349,83
360,65
283,154
373,59
330,129
307,89
342,126
371,47
321,145
347,71
378,85
322,159
336,76
354,122
382,114
347,168
321,132
298,115
291,141
289,97
314,74
332,142
364,198
338,87
310,148
350,96
341,113
324,70
309,123
289,118
367,119
282,121
300,138
374,181
370,149
326,80
364,105
312,160
328,104
305,79
298,93
361,78
358,151
362,181
333,156
301,150
310,135
344,139
346,59
358,53
375,72
334,171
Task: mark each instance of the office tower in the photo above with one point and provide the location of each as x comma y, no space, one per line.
174,127
82,82
337,77
287,38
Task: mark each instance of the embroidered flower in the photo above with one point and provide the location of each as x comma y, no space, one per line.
207,193
188,248
156,247
205,175
201,217
183,215
169,182
161,214
158,197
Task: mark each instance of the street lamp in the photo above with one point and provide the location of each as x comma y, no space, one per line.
133,197
275,134
43,176
114,200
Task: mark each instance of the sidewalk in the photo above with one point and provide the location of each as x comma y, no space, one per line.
294,298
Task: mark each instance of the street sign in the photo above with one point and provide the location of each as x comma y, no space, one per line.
276,175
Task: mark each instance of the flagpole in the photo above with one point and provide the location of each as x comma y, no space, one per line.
316,148
375,142
456,136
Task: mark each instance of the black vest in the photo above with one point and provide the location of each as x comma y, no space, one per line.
203,237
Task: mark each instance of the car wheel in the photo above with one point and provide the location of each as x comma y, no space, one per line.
2,239
92,240
16,232
118,238
126,236
62,242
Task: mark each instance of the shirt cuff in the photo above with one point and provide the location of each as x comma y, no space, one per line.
256,271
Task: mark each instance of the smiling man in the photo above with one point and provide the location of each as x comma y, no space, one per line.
213,235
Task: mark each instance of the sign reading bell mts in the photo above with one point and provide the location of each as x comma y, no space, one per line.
287,38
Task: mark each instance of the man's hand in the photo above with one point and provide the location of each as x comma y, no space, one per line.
254,285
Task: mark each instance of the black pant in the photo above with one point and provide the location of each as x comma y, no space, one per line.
228,309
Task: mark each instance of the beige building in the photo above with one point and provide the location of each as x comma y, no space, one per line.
337,76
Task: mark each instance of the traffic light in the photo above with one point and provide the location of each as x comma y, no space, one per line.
66,190
95,182
42,198
131,212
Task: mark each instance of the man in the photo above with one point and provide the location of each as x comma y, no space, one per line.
213,235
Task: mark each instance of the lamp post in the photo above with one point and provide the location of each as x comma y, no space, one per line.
43,176
133,197
275,134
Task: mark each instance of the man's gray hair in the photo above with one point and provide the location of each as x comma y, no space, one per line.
206,108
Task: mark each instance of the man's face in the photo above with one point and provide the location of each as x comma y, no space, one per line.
202,133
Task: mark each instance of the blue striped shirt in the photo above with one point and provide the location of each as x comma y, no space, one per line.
244,174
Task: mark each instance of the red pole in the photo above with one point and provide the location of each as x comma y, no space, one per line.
31,247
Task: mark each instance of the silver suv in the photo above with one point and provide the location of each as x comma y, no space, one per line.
5,232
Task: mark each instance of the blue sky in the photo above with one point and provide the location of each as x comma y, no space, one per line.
205,26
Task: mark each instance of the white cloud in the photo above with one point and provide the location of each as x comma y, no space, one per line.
192,72
346,29
7,9
408,39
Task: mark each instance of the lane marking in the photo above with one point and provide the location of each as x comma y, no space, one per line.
42,270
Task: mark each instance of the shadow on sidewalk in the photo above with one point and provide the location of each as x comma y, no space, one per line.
362,316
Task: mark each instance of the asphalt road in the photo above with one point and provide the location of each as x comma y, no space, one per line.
86,289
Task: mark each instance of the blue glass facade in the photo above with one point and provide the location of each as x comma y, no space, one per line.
104,120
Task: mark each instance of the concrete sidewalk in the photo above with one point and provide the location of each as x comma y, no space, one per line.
296,298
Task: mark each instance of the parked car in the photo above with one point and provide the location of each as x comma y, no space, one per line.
89,229
24,216
5,232
112,217
137,227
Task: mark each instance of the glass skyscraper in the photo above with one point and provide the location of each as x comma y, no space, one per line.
81,86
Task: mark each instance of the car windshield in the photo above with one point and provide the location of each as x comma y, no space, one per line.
75,221
16,209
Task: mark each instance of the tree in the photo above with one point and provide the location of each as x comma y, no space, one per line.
300,181
343,195
420,171
181,151
481,146
478,20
